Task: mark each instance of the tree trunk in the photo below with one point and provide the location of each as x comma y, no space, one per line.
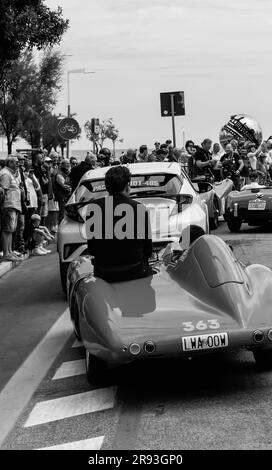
113,147
9,145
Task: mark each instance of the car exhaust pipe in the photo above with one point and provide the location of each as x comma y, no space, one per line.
258,336
269,335
149,347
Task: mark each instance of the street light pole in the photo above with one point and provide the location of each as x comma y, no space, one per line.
68,96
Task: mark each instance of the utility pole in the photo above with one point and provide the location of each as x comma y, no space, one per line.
173,119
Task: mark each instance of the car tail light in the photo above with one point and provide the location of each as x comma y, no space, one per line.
134,349
149,347
258,336
181,202
269,335
235,211
72,212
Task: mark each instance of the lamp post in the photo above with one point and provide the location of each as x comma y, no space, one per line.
68,95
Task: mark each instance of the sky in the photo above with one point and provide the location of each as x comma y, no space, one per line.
218,52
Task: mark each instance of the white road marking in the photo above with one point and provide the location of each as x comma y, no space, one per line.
72,405
18,391
69,369
77,344
88,444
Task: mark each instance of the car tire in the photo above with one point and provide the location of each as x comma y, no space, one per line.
76,323
96,369
263,359
214,221
63,268
234,224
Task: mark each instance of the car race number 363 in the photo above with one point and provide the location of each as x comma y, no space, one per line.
68,128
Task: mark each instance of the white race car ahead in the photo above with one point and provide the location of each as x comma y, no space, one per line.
164,188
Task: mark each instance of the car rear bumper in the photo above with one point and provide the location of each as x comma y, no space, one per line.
173,346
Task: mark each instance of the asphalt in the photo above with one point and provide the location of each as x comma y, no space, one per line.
31,301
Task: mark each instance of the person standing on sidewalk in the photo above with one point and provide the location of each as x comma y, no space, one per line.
10,207
19,239
62,186
33,187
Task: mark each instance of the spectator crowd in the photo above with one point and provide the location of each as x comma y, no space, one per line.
34,190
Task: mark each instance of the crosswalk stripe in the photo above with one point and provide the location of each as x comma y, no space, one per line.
69,369
72,405
77,344
88,444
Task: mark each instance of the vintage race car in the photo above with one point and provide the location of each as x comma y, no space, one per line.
164,188
253,206
215,196
198,301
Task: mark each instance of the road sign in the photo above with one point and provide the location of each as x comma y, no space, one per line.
68,128
178,100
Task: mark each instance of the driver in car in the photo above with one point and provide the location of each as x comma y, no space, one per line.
120,240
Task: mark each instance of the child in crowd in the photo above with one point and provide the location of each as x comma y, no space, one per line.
39,236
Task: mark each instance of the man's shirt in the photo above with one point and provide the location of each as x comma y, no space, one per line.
110,250
10,184
202,156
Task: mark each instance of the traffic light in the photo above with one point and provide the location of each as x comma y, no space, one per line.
178,101
95,126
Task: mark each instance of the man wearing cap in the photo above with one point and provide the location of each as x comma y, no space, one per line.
78,171
10,207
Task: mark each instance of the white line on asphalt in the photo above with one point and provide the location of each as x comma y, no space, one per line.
72,405
77,344
88,444
18,391
69,369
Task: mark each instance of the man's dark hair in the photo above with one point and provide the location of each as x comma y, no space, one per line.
189,143
168,141
142,148
164,146
206,141
116,179
105,151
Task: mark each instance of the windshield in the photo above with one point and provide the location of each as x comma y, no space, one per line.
140,185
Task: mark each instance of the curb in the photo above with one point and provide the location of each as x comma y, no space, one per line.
6,266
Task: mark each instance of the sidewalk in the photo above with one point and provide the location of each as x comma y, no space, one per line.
6,266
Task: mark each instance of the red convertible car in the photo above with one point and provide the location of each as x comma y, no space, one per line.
198,301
